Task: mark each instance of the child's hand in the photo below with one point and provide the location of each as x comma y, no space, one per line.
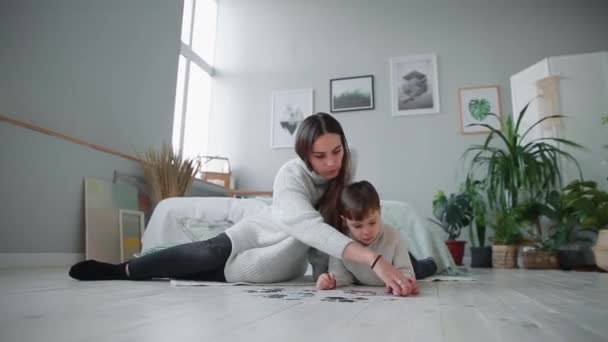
326,281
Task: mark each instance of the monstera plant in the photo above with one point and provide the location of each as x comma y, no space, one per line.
452,214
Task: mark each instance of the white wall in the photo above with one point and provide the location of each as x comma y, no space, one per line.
271,45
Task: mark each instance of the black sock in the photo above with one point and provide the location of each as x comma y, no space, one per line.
96,270
424,268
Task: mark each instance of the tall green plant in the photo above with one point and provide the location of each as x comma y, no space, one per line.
513,168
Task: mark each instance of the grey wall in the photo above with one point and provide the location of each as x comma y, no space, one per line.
103,71
271,45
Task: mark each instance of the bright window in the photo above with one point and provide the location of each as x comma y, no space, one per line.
195,70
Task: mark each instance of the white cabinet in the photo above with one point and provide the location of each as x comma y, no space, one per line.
575,86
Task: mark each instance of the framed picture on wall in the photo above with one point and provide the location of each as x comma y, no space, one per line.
476,106
131,227
351,93
414,85
289,109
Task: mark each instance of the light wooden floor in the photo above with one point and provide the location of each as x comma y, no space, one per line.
503,305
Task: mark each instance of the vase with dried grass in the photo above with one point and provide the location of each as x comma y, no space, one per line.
167,173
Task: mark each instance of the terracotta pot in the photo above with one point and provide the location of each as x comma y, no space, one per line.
456,248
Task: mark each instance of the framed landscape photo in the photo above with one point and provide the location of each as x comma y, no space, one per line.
414,85
289,109
476,103
351,93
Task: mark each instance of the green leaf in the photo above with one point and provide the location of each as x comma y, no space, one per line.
479,108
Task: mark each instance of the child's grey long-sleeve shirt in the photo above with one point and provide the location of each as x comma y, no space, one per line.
388,243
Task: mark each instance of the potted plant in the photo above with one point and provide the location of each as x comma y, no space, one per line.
514,168
579,208
588,207
507,235
452,214
542,254
481,255
167,173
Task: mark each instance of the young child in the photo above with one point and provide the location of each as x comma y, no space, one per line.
359,210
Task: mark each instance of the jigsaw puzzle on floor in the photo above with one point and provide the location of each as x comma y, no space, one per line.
333,296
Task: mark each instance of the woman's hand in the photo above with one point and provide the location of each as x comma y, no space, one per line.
326,281
396,282
412,287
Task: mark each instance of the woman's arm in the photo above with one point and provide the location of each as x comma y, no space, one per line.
395,281
292,206
401,259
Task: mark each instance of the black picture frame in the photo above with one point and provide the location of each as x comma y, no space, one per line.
350,94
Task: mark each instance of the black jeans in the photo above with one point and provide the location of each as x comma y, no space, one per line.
202,260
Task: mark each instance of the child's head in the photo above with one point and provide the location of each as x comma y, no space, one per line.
360,211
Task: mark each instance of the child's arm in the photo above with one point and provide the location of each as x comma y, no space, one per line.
342,275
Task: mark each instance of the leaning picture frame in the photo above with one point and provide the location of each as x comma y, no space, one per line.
414,85
131,229
289,109
475,104
351,93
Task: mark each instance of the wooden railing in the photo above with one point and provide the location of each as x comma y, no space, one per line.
229,192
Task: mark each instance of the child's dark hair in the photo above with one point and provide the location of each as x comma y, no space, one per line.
358,200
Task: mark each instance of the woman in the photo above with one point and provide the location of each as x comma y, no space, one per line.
273,246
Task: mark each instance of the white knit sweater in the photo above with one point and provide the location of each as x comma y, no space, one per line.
388,243
272,246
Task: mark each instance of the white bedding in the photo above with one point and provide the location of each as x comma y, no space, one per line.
172,215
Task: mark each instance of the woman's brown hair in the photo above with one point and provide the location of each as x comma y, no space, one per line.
309,131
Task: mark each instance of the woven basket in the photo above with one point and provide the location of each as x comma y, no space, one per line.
504,256
536,259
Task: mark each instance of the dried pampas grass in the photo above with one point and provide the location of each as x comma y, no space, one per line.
168,174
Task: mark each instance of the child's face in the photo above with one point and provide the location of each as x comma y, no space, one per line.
366,230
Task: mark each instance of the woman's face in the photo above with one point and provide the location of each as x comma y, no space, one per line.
326,155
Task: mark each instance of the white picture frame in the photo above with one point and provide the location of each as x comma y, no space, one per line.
289,109
475,103
414,85
131,229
